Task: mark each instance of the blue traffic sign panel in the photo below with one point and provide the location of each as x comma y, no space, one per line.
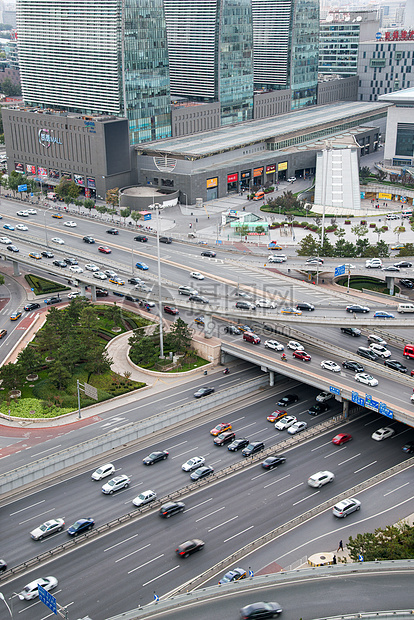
357,399
48,599
339,271
370,403
334,390
22,188
384,410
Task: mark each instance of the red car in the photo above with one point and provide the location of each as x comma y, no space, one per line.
276,415
338,440
220,428
302,355
104,250
169,310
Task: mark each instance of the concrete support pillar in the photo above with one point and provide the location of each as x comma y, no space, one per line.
345,408
389,281
82,288
207,326
271,378
93,292
16,271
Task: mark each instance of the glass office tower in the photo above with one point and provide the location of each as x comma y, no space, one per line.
94,57
210,54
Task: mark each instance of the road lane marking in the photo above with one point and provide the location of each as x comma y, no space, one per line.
277,480
242,532
41,514
321,446
132,553
350,458
146,563
178,444
159,576
257,432
334,452
247,426
305,498
186,452
211,513
215,462
397,489
365,466
224,523
197,505
31,506
291,489
120,543
48,450
238,419
259,475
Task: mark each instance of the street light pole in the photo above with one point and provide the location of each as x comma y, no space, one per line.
156,207
6,603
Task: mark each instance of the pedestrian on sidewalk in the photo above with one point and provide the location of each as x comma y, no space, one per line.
340,547
334,559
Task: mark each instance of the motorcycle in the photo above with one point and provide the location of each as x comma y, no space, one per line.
226,371
283,357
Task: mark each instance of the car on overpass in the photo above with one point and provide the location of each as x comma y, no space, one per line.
35,255
58,240
142,266
103,472
233,575
60,263
260,610
380,350
285,423
282,258
141,238
321,478
202,472
341,438
238,444
318,409
364,377
291,311
221,427
330,365
22,213
88,239
395,365
223,438
47,529
357,308
314,260
196,275
70,224
304,305
297,427
302,355
100,275
81,526
47,254
144,498
203,391
383,433
346,507
116,484
373,338
188,547
21,227
351,331
57,216
273,461
287,400
381,314
104,250
31,591
253,448
155,457
5,240
194,463
265,303
276,415
91,267
12,248
274,344
112,231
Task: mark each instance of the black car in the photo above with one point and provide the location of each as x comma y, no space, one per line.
113,231
52,300
202,472
134,281
208,253
88,239
165,240
368,353
305,306
223,438
132,298
118,293
317,409
199,299
154,457
171,508
232,329
141,238
47,254
288,400
204,391
3,566
407,283
238,444
408,447
31,306
403,263
357,308
188,547
351,331
395,365
70,261
253,447
60,263
81,526
13,248
257,611
351,365
245,305
273,461
101,292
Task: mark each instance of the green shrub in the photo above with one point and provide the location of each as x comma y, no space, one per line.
42,286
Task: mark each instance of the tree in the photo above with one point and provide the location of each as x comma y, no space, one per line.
344,248
382,249
125,213
364,172
318,220
340,233
407,250
380,230
360,230
1,280
15,179
98,363
89,204
111,212
112,197
243,230
326,249
59,374
29,360
101,209
309,246
362,246
381,175
394,542
12,376
179,337
135,215
399,230
9,89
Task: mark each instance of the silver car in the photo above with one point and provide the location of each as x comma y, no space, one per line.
47,528
31,591
346,507
144,498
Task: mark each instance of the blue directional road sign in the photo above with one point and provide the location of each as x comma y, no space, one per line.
48,599
384,410
334,390
22,188
357,399
371,404
339,271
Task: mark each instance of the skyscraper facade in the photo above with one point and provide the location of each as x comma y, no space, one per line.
89,57
210,53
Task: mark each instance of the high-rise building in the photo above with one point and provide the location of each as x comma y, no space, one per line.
94,57
285,47
210,54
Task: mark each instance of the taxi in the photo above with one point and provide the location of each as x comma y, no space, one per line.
276,415
220,428
16,315
35,255
57,216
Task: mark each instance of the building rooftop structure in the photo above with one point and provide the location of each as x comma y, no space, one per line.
279,132
405,96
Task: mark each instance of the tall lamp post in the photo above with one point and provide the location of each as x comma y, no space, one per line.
156,206
6,603
44,215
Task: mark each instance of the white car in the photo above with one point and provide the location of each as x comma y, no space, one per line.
364,377
31,211
346,507
99,275
329,365
280,258
76,269
285,422
58,240
197,275
373,338
291,179
70,224
383,433
265,303
274,344
144,498
47,528
5,240
295,346
110,273
91,267
103,471
116,484
322,397
194,463
23,213
73,294
21,227
31,591
297,427
349,266
380,350
320,478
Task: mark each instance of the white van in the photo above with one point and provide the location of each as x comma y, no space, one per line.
407,213
405,307
392,216
373,263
